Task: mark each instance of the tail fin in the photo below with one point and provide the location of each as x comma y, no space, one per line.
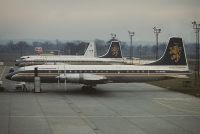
174,54
91,50
114,51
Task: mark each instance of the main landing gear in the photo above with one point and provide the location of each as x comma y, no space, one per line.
88,87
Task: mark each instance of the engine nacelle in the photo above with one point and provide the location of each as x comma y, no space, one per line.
70,77
82,78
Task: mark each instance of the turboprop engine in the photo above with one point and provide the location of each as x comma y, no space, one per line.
82,78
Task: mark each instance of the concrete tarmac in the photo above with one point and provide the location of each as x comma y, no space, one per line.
134,108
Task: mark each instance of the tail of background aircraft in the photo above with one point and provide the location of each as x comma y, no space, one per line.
174,54
91,50
114,51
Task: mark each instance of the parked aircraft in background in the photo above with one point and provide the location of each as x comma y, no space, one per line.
113,56
173,64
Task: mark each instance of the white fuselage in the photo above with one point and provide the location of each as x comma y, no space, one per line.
64,59
109,73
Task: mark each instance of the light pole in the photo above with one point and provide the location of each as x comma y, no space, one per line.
113,35
131,34
156,31
196,27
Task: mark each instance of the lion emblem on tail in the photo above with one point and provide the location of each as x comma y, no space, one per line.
115,51
175,53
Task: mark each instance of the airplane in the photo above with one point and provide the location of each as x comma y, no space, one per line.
113,56
173,64
42,59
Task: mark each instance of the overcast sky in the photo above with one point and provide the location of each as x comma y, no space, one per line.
91,19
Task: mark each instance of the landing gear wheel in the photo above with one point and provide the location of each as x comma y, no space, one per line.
88,88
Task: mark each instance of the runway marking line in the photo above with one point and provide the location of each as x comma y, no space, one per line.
175,99
104,116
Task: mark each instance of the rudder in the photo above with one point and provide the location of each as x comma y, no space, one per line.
174,54
114,51
91,50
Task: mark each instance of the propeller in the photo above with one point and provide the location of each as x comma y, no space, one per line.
65,78
58,78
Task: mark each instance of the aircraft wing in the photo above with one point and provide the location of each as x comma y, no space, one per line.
93,77
83,78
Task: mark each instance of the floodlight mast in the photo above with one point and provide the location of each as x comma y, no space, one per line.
113,36
196,27
131,34
156,32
